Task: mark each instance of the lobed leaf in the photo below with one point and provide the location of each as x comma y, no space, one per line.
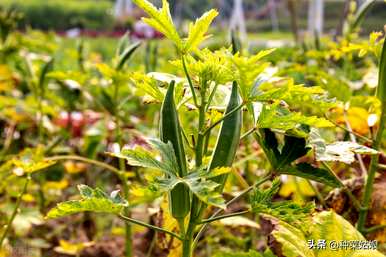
140,157
161,20
29,160
291,212
277,117
198,30
327,226
94,200
307,171
341,151
246,71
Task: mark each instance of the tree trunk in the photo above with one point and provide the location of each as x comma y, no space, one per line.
294,19
238,20
315,17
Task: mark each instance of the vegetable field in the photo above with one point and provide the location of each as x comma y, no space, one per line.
197,143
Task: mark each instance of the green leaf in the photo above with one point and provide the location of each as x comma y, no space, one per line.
246,71
293,149
125,56
341,151
293,94
381,89
94,200
278,117
147,86
27,161
68,75
290,212
209,66
198,30
140,157
45,69
205,190
269,143
327,226
198,182
287,92
161,20
306,170
107,101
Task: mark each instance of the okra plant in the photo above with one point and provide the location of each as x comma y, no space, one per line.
203,109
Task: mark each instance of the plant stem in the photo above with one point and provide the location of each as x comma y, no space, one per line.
249,132
189,81
349,131
355,201
187,248
197,207
15,211
122,167
222,118
211,96
317,194
86,160
8,141
225,216
374,228
236,198
353,139
201,124
144,224
371,174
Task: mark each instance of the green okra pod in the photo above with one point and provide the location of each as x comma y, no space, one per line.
170,130
228,139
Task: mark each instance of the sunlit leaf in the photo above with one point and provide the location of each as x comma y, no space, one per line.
94,200
198,30
246,71
68,248
277,117
307,171
327,226
341,151
147,85
290,212
141,157
28,161
161,20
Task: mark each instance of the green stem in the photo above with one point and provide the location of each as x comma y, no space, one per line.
348,131
225,216
197,207
317,194
144,224
236,198
374,228
211,96
8,141
201,124
371,173
152,244
223,118
355,201
187,248
86,160
15,210
122,168
189,81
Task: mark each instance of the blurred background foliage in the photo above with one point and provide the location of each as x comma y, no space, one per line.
98,14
